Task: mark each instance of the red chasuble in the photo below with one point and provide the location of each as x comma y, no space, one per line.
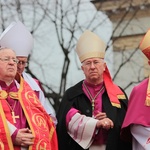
38,120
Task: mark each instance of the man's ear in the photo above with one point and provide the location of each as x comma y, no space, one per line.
104,66
82,67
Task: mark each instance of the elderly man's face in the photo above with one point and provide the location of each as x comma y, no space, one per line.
93,69
8,64
21,64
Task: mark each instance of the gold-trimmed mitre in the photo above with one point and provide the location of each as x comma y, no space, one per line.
145,44
90,45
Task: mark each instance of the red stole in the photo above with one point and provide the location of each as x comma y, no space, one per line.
39,121
113,91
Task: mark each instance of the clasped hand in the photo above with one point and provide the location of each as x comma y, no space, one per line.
24,137
103,121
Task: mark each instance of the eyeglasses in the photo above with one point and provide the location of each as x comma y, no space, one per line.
7,59
24,63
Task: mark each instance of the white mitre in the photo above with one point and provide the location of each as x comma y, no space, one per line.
18,38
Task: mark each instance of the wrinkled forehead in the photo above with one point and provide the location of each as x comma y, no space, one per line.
93,59
7,52
22,58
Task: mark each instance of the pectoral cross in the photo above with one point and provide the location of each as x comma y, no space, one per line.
14,117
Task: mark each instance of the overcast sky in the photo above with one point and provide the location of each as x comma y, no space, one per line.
48,53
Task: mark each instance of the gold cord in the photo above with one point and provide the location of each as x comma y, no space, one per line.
92,98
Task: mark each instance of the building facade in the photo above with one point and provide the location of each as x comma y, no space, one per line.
131,20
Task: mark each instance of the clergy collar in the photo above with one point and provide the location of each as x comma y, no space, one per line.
4,85
93,85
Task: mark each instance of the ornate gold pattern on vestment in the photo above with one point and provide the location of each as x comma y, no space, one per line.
1,145
41,145
121,97
52,130
40,121
3,94
147,101
13,95
31,96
